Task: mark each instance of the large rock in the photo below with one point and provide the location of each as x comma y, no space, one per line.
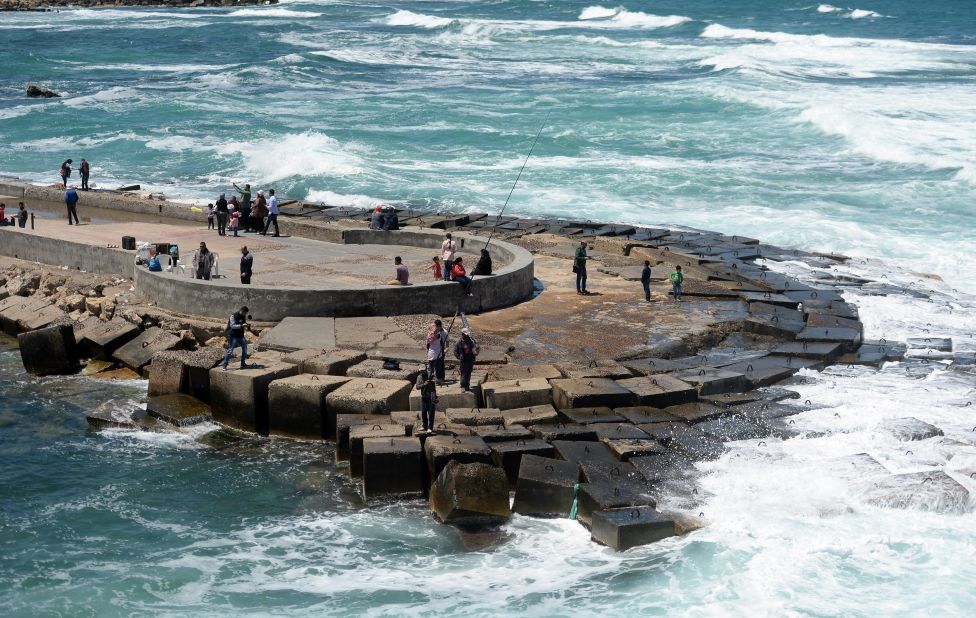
468,495
140,351
392,466
589,393
369,396
49,350
178,409
439,450
297,406
38,92
544,487
624,528
517,393
240,396
182,371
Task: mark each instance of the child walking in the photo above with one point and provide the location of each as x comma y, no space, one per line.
435,266
677,278
210,217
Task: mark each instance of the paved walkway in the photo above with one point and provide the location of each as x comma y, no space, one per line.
286,261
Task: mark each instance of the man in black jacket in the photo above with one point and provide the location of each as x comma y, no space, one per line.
222,214
236,326
466,351
247,265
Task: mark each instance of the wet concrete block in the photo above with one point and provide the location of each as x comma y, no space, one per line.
646,414
179,409
183,371
769,298
772,326
439,450
335,362
475,416
298,333
823,351
358,433
374,369
563,431
532,415
933,491
769,370
603,495
821,319
622,529
733,427
343,424
502,433
768,394
709,381
625,449
595,471
580,450
609,369
449,396
392,466
590,393
297,406
50,350
470,495
586,416
369,396
847,337
617,431
659,391
509,373
509,394
651,366
239,397
909,429
140,351
113,414
508,455
939,344
664,467
99,339
544,487
686,440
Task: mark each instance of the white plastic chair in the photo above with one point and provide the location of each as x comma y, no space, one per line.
190,258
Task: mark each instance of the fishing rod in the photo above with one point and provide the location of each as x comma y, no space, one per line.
502,211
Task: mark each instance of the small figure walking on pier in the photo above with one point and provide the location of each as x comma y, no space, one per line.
85,170
236,325
71,201
579,267
677,278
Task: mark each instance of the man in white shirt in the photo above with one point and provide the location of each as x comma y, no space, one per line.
272,214
448,251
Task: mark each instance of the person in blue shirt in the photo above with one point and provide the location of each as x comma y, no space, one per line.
71,201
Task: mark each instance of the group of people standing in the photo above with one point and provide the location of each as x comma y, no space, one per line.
205,259
466,352
84,170
580,258
255,215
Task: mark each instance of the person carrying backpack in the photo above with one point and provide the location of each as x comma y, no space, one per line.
236,325
677,278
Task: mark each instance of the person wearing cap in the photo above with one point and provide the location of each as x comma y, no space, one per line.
220,208
466,351
376,220
236,325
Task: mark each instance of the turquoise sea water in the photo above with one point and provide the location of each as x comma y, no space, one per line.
825,127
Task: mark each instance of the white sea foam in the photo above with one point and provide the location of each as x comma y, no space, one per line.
597,12
862,13
273,12
828,8
291,155
418,20
331,198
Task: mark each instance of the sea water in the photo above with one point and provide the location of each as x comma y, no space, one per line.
839,128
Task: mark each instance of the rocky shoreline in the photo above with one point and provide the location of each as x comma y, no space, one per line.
55,5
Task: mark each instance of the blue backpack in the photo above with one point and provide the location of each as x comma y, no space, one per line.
154,265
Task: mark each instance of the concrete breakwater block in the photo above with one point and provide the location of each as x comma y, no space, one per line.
772,326
334,362
592,471
470,495
474,416
698,411
343,424
182,371
140,351
358,433
295,333
300,357
734,427
659,391
710,381
49,350
617,431
771,369
646,414
439,450
603,495
99,339
910,429
392,466
20,314
544,487
178,409
369,396
847,337
501,433
114,414
939,344
596,369
297,406
587,416
625,449
821,319
410,419
374,369
589,393
656,468
624,528
823,351
652,366
509,394
449,396
933,491
580,450
508,373
508,455
564,431
685,439
532,415
239,397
